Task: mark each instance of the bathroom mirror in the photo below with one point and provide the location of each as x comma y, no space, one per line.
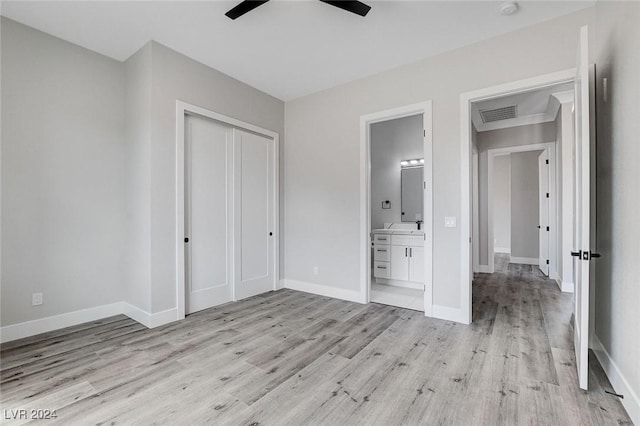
411,193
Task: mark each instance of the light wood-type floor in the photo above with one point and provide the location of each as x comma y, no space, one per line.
291,358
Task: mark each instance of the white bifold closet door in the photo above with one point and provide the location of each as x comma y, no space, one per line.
229,214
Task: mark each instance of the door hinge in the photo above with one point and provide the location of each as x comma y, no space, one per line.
547,161
547,261
547,195
424,132
547,228
424,185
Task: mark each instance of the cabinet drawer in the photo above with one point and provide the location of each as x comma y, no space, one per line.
407,240
381,269
381,253
381,238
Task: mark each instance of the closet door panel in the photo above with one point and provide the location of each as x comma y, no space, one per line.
208,226
255,203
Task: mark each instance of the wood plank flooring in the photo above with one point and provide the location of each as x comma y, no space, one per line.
291,358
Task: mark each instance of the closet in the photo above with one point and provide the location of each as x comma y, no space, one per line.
229,213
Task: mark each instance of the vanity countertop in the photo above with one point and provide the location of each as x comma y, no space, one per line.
398,231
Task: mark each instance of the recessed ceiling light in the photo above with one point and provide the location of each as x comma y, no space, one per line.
509,8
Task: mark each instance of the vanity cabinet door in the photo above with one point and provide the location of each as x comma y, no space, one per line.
416,264
400,263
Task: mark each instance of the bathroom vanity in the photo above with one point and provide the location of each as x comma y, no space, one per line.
398,257
398,266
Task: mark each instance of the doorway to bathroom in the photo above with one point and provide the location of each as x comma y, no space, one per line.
396,207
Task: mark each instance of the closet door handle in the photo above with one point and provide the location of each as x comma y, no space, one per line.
382,249
405,251
410,252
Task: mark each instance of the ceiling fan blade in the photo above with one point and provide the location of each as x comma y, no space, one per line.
356,7
244,7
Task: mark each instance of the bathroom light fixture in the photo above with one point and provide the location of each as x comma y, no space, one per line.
415,162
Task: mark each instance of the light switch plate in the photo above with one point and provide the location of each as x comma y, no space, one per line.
450,222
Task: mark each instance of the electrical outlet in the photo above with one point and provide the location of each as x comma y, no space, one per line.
450,222
36,299
315,270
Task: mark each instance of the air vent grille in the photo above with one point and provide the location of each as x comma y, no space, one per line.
498,114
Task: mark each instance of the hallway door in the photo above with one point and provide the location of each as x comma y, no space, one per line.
582,210
543,206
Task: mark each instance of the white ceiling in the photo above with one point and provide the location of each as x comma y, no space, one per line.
285,48
533,107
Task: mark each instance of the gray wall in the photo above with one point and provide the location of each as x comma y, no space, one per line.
62,175
88,200
391,142
524,204
502,202
176,77
138,178
323,149
503,138
618,198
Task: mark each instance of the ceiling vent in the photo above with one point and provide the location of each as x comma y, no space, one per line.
498,114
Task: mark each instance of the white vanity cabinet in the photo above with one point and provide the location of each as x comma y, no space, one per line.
382,255
399,259
407,258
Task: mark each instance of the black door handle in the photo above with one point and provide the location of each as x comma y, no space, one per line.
576,253
186,239
270,234
595,254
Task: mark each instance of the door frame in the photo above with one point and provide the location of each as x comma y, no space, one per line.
182,110
550,147
466,149
424,108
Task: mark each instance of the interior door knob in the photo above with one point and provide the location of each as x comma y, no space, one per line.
595,254
576,253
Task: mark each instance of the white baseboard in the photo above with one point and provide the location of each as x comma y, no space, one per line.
524,260
484,269
564,286
147,319
43,325
56,322
505,250
631,402
325,290
450,314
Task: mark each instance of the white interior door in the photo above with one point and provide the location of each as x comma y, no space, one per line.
255,220
582,193
544,198
208,213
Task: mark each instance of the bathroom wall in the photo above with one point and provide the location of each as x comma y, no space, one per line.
391,142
